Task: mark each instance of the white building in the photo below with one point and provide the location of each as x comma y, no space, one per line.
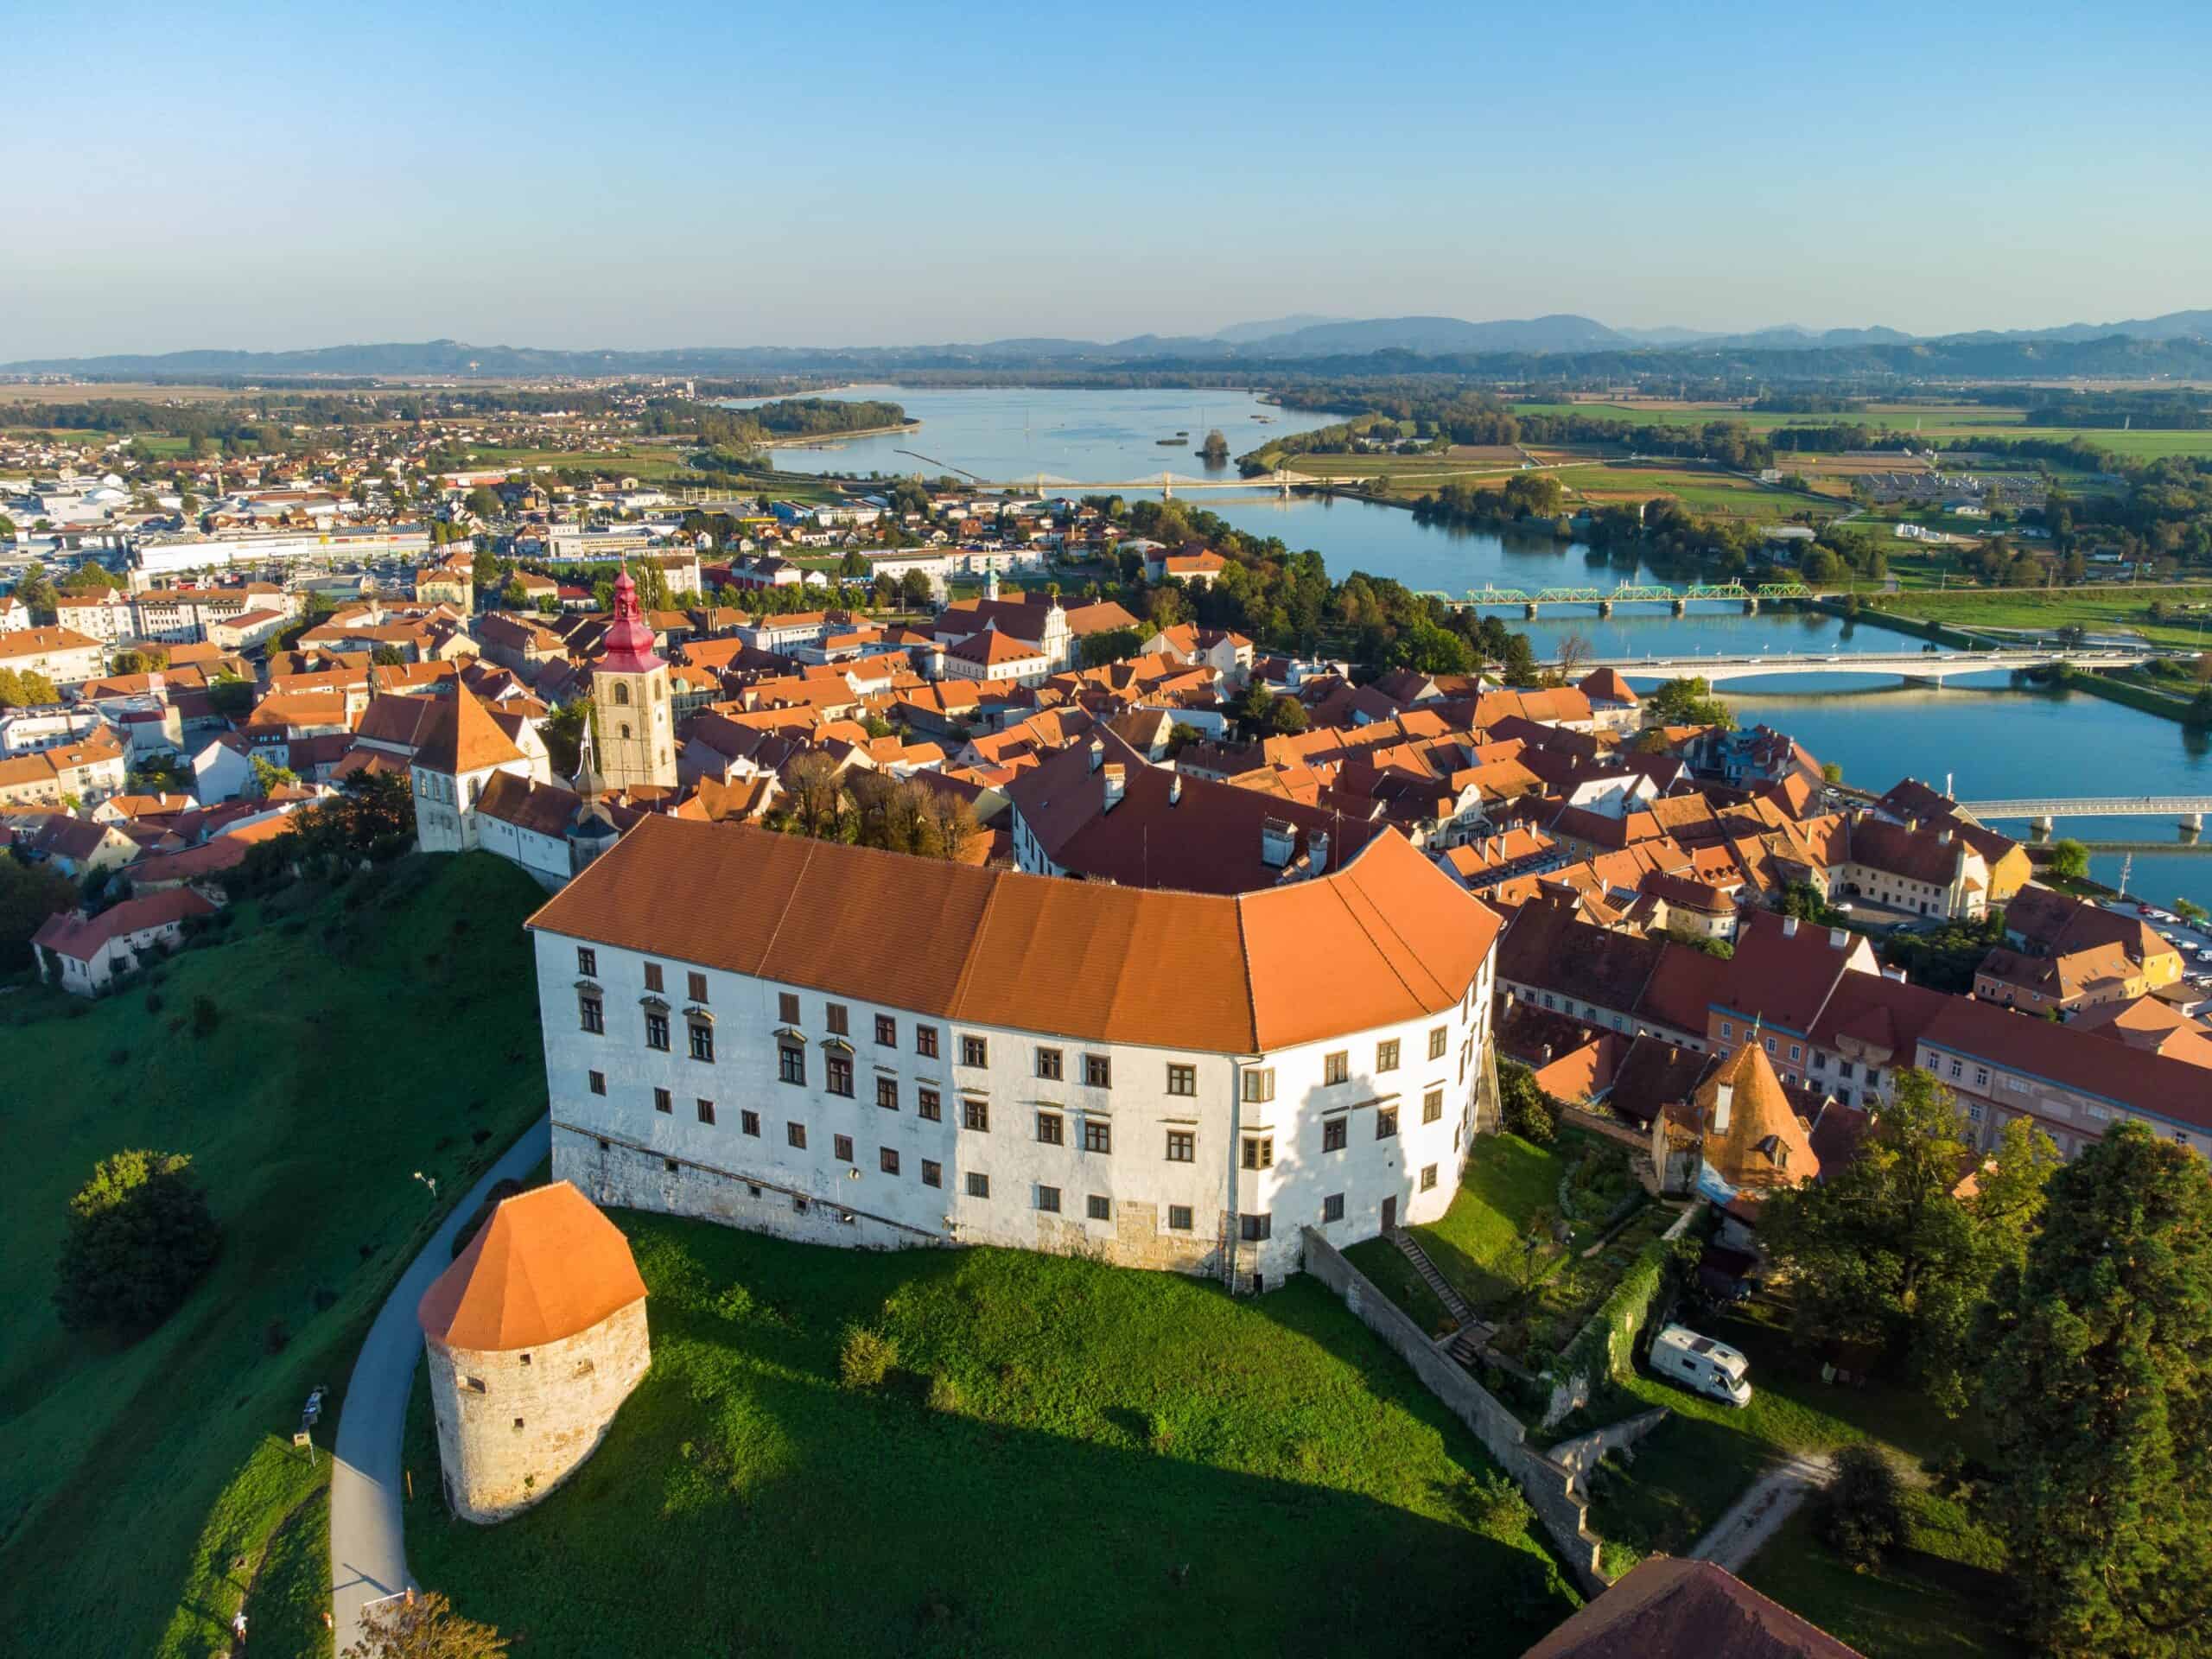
849,1047
460,750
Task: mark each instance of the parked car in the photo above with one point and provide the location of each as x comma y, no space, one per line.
1699,1364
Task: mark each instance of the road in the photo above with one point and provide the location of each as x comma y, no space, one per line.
1754,1517
368,1556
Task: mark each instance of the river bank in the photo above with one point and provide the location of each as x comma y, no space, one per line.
831,440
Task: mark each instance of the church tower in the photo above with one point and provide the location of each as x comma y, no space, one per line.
629,689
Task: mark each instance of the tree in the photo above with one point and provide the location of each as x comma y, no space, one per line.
29,894
1288,714
24,688
1886,1250
1215,450
2191,912
37,591
915,592
1688,702
1571,652
268,777
1862,1515
485,505
2098,1386
423,1626
1112,646
1526,1112
1831,772
2069,860
384,654
140,1236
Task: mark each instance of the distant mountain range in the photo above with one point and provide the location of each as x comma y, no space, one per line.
1306,343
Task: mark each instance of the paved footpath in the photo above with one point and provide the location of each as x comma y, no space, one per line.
1754,1516
368,1557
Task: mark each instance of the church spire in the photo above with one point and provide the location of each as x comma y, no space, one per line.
628,648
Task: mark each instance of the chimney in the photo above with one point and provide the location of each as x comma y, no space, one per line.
1790,927
1839,937
1277,840
1116,776
1175,789
1945,838
1317,851
1724,1096
1097,753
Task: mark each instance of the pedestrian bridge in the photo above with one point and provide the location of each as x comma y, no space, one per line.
2188,811
1923,668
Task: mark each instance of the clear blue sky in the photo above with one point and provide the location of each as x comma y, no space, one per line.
810,173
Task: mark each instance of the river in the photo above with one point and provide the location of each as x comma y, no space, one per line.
1995,738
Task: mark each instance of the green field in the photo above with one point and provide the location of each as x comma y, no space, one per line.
2114,609
1947,421
1068,1458
1942,1595
1716,494
132,1476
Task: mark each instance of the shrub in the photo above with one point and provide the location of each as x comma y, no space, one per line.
1494,1502
867,1358
945,1394
1864,1514
141,1236
153,1001
1527,1113
206,1015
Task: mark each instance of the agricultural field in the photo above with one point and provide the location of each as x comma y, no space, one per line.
1458,463
1940,1596
1061,1458
1950,422
1713,492
2115,609
259,1055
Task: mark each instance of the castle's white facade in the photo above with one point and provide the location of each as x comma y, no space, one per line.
809,1110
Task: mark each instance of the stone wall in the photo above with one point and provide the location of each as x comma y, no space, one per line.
513,1425
1586,1451
1549,1487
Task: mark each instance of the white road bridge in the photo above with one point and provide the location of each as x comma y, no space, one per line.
2043,810
1929,668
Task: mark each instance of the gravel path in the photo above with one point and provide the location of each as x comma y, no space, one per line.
1752,1519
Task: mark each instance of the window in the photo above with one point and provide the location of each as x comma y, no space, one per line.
791,1063
925,1103
1048,1129
1727,1028
1048,1064
795,1134
838,1019
1770,1045
1182,1079
973,1051
598,1082
1097,1135
787,1006
652,976
1332,1208
1432,1106
979,1187
1182,1146
932,1173
841,1148
1820,1061
1255,1228
1048,1199
706,1111
1333,1133
698,987
656,1030
591,1013
588,962
1873,1077
1337,1067
1437,1042
702,1040
887,1160
1796,1052
1957,1070
663,1102
1259,1152
886,1093
1097,1072
975,1114
1260,1085
1386,1056
840,1068
1843,1068
750,1123
926,1041
886,1032
1099,1208
1428,1177
1178,1219
1981,1077
1386,1123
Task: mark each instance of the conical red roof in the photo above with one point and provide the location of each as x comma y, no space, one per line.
629,645
547,1266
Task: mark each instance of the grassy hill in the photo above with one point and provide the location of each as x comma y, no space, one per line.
1069,1459
132,1478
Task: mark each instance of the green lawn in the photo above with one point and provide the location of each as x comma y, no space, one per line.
1687,1472
2101,609
132,1478
1716,494
1478,1244
1069,1459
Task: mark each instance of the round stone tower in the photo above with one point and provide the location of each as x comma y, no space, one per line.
537,1334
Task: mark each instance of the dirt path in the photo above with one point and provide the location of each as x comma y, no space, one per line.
1752,1519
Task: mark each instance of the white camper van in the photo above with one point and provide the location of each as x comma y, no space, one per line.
1680,1355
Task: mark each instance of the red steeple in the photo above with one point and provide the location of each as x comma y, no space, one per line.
628,648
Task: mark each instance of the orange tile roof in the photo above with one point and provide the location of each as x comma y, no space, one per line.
1387,937
463,737
547,1266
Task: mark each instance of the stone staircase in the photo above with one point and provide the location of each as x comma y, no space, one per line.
1454,1303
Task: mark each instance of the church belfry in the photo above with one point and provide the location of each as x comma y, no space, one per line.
629,688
